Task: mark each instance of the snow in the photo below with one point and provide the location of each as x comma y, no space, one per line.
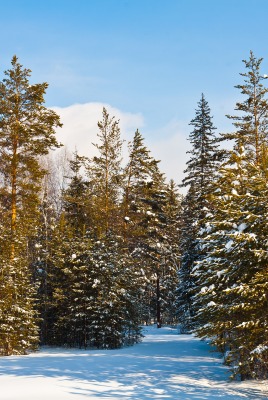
234,192
236,183
220,273
150,213
211,304
242,227
229,244
164,366
96,282
260,349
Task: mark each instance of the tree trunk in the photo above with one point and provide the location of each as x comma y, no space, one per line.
158,305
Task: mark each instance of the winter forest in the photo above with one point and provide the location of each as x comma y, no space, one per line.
92,249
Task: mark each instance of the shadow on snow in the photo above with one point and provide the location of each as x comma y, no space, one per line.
163,366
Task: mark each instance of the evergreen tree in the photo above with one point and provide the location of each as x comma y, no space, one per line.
252,125
44,244
55,235
200,172
26,133
189,249
154,246
232,299
71,289
205,155
40,263
232,295
105,175
172,254
97,301
138,176
114,311
75,198
147,204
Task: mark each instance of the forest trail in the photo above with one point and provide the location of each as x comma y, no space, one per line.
164,366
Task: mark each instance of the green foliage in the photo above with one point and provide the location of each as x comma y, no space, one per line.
205,154
232,301
26,133
252,122
231,277
151,209
117,246
18,319
105,175
200,174
96,304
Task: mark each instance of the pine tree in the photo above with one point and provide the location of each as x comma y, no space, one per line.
26,133
105,175
252,125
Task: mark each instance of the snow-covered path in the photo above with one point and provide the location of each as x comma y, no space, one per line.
164,366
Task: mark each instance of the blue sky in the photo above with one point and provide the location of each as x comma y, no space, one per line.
149,60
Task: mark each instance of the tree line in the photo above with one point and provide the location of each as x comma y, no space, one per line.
92,248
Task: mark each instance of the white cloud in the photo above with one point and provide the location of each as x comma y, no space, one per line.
168,143
80,128
171,147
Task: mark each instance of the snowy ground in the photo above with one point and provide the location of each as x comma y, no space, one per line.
164,366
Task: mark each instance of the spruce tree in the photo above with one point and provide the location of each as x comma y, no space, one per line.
138,175
172,254
232,295
148,214
232,301
60,235
96,303
114,310
200,172
204,153
75,198
189,250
